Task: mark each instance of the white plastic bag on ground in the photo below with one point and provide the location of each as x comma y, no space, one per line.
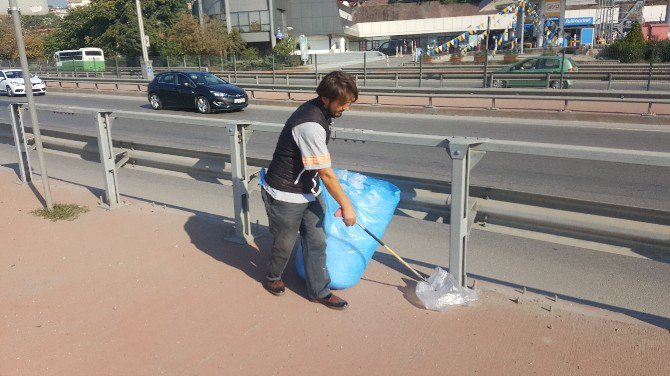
442,291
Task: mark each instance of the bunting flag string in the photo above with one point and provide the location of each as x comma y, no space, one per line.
510,9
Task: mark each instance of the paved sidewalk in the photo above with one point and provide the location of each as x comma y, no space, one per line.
144,290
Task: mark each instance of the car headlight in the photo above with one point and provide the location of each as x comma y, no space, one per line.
14,83
218,94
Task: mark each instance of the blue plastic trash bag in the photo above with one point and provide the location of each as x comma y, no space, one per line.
349,249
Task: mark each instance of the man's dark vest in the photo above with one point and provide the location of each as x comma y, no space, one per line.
286,163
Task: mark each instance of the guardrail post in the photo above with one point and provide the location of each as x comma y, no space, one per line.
396,80
316,71
441,80
420,71
235,66
548,80
491,81
287,80
108,159
118,71
257,80
463,160
651,67
493,104
22,149
273,68
610,79
365,69
239,135
565,106
649,112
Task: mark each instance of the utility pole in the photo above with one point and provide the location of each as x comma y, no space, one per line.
201,14
14,10
523,28
561,23
273,36
229,22
147,69
539,29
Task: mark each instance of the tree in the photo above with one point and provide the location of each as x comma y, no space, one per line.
112,26
185,37
8,46
34,41
631,48
218,41
47,21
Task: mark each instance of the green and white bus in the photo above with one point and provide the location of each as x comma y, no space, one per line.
87,59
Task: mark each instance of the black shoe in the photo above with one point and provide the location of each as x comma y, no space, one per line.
275,287
332,301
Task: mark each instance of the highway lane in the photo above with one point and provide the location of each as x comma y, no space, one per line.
608,182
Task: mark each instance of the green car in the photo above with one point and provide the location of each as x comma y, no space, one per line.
537,65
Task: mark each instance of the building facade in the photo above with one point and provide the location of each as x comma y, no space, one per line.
339,26
261,22
28,7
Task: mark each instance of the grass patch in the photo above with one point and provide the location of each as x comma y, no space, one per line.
61,212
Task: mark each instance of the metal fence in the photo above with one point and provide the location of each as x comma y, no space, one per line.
464,152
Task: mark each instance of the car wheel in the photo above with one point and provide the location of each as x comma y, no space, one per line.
555,84
499,84
9,92
155,102
202,105
565,84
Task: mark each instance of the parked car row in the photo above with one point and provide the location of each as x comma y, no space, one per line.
12,83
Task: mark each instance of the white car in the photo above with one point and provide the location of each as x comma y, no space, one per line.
11,81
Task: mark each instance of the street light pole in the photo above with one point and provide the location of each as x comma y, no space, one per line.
14,10
147,69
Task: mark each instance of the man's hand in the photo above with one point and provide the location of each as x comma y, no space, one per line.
333,186
349,221
349,216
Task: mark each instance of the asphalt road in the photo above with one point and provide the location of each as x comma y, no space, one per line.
634,185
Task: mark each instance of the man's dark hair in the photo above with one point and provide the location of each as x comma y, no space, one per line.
338,85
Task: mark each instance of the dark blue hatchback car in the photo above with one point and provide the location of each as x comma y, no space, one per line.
202,90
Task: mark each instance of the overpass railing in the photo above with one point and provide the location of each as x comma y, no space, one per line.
464,153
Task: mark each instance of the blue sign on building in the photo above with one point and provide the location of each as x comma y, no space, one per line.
572,22
579,21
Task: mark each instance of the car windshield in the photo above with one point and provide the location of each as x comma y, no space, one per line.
16,74
206,79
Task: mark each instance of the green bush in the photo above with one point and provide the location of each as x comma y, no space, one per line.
631,49
250,54
657,51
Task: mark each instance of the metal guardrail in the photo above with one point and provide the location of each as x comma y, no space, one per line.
379,93
656,73
464,152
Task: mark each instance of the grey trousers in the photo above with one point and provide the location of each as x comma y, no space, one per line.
286,219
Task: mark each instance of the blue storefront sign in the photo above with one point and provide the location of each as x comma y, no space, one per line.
569,22
579,21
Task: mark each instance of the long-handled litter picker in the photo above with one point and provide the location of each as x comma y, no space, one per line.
440,291
338,213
